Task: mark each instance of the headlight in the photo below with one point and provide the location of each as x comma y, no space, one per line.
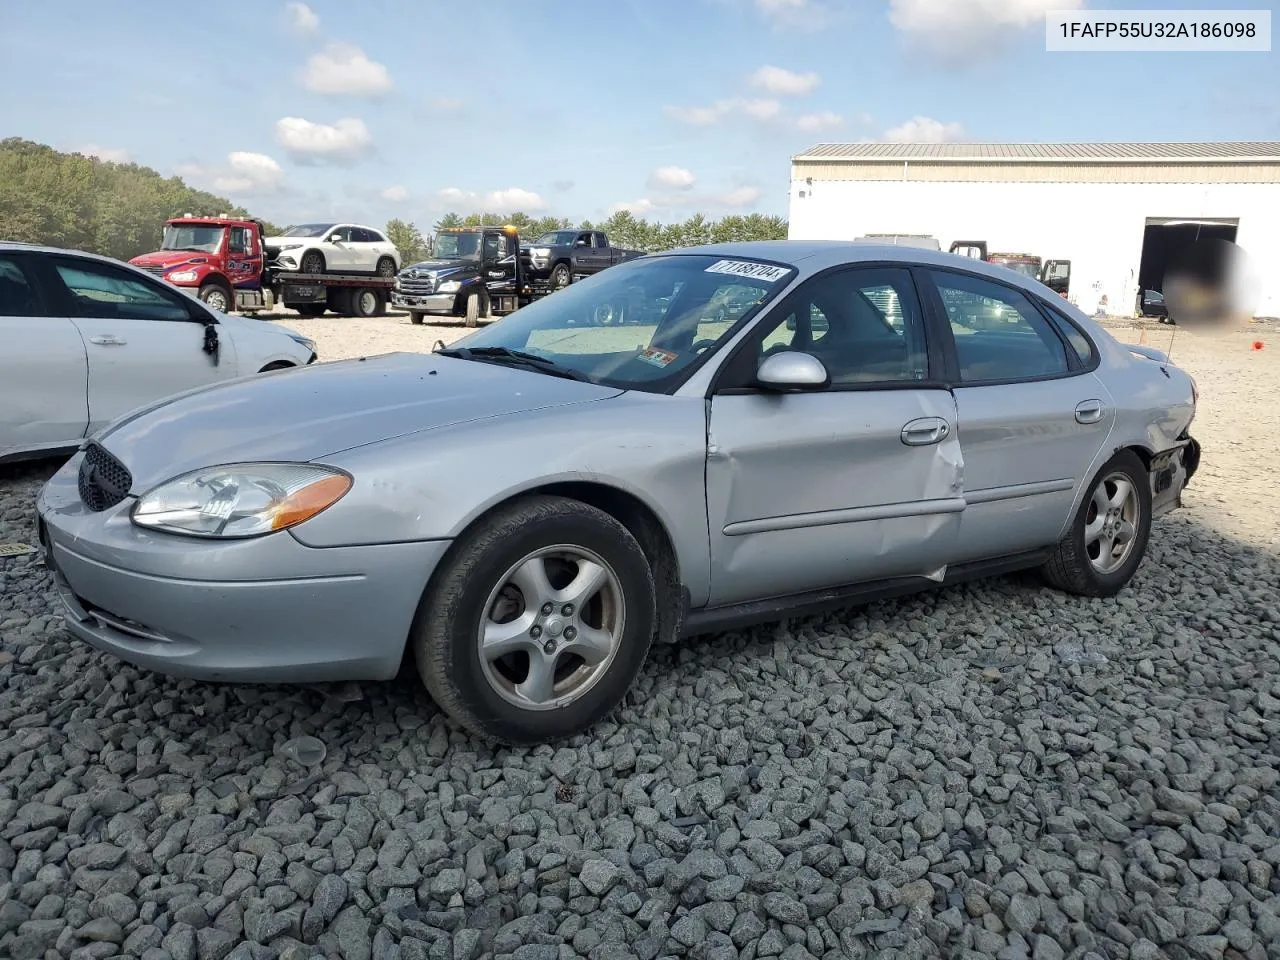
540,251
241,500
182,276
449,286
306,342
290,246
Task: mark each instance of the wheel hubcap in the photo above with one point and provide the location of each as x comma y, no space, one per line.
1111,523
367,302
551,628
217,301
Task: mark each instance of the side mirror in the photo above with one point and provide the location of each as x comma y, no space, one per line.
791,370
335,238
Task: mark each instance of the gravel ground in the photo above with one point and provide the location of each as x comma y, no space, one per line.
993,770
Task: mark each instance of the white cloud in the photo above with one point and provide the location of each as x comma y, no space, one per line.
819,122
959,30
740,197
343,141
510,200
109,154
249,173
923,130
301,19
672,178
783,82
637,207
395,194
343,69
765,109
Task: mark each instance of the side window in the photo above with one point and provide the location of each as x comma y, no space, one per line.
865,325
999,334
361,235
601,240
1073,335
584,239
17,294
99,290
492,244
239,240
373,236
344,233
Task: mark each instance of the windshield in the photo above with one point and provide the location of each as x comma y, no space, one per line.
1027,269
643,323
185,236
309,230
557,238
457,246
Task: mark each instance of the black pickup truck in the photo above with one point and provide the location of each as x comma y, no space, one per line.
561,256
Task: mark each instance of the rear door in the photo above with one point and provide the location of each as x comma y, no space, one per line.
364,250
1033,416
143,339
861,481
43,367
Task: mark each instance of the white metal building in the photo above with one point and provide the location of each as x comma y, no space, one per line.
1115,210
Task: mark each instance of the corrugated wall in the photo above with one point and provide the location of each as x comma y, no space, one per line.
1038,172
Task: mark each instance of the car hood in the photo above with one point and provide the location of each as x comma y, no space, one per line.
313,412
169,258
439,267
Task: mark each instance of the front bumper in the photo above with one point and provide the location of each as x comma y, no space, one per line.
431,303
265,610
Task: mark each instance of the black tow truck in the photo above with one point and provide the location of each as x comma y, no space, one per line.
474,273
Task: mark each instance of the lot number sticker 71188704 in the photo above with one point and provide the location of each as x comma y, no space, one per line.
755,271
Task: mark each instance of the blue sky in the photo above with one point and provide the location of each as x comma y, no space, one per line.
411,108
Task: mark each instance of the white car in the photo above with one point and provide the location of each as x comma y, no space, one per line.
333,248
87,339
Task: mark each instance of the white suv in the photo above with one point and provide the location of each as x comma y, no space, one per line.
88,339
333,248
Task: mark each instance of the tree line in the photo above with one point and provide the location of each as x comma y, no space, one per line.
624,229
119,209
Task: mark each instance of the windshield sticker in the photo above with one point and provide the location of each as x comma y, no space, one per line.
658,357
755,271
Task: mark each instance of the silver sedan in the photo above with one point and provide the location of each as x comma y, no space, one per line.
683,443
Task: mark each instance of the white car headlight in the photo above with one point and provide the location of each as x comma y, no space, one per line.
290,246
241,499
181,276
449,286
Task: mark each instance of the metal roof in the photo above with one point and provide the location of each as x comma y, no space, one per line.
1261,151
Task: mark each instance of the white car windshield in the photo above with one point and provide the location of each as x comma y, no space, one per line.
310,230
640,325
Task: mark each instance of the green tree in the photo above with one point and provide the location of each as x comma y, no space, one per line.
408,240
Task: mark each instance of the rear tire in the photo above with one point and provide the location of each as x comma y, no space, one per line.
492,572
386,268
560,276
311,309
415,317
364,302
472,317
217,297
1108,537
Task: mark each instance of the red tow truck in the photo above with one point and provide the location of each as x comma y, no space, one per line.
224,261
1054,274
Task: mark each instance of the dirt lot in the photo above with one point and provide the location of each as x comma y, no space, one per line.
992,770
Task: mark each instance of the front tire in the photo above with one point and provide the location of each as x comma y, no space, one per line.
386,268
312,262
472,315
216,296
537,622
415,317
1108,537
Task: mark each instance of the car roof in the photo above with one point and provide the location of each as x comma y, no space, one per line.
813,256
19,246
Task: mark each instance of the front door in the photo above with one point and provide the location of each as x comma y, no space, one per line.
860,481
142,341
43,370
1032,417
499,266
341,253
244,259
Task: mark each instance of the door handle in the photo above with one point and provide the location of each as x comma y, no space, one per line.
924,431
1089,411
108,341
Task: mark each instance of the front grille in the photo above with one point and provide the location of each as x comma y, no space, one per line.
103,481
415,283
156,269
